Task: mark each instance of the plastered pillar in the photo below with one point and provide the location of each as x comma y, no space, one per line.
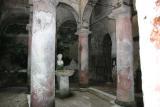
83,56
43,53
125,79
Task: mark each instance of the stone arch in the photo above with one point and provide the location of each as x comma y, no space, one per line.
71,7
65,21
107,48
13,23
67,31
71,16
88,11
13,18
68,17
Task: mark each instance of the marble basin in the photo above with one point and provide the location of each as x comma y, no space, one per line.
63,81
64,72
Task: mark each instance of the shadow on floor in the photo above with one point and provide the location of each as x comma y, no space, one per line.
13,97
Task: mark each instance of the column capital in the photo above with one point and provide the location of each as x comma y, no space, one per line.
83,32
44,6
83,28
54,2
122,11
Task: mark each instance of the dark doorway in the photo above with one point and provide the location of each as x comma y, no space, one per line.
107,46
14,53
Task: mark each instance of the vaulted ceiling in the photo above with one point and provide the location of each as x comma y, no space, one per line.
64,14
66,10
13,13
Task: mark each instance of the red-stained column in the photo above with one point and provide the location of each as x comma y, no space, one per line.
125,79
149,34
83,56
43,53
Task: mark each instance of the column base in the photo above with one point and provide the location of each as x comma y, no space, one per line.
125,104
83,85
64,95
28,89
83,79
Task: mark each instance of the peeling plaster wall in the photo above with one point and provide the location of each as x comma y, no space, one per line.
13,22
13,57
14,50
15,3
13,45
100,25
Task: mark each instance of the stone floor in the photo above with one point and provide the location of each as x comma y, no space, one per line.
13,97
108,88
17,97
83,99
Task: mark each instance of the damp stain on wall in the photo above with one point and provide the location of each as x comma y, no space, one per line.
155,34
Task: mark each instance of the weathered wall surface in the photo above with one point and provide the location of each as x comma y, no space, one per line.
13,41
13,34
101,25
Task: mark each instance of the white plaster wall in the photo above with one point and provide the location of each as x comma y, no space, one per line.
149,53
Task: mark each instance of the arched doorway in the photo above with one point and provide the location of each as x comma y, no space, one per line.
14,50
107,46
66,39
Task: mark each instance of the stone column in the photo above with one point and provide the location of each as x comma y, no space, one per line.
29,57
149,34
29,28
83,56
125,79
43,53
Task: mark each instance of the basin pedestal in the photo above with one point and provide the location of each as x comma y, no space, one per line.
63,81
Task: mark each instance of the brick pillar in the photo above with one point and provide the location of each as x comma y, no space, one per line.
83,57
125,79
43,54
149,34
